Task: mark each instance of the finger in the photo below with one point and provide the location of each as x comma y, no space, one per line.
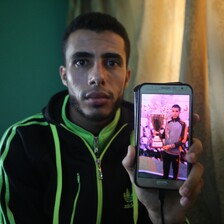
196,118
128,161
195,151
194,178
188,201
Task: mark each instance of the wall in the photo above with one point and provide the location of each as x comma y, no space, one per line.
30,55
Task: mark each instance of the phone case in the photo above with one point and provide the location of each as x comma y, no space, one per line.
154,153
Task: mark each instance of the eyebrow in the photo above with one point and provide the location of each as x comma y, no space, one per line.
85,54
112,55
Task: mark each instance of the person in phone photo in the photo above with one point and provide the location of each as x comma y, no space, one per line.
175,136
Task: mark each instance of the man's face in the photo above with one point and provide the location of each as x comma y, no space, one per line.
175,112
95,73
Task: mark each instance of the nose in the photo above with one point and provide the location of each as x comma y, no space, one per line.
97,75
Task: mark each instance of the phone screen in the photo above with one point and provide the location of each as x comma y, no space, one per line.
163,134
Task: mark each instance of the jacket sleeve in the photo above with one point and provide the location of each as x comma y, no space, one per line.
19,197
183,136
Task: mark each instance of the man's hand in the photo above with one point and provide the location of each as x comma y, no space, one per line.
176,203
166,147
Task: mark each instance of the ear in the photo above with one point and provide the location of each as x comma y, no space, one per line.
128,76
63,75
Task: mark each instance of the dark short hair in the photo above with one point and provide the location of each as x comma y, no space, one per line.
98,22
176,106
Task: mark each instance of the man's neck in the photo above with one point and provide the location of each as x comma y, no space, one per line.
93,126
176,119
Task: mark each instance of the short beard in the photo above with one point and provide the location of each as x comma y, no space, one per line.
96,117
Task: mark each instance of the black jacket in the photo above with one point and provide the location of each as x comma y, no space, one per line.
49,175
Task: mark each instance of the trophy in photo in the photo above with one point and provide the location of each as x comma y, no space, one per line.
157,123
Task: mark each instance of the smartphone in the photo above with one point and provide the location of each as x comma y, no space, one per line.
163,134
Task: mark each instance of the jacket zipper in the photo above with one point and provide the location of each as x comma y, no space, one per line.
98,161
100,178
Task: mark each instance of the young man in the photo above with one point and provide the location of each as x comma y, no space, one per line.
175,137
64,165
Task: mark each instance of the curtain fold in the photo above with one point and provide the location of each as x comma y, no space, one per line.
215,33
180,41
194,70
159,45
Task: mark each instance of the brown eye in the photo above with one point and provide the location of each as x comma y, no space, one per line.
80,63
111,63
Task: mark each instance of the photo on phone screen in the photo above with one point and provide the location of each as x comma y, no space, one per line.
163,134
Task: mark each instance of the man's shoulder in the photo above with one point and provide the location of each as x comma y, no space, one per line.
182,122
36,120
30,120
28,128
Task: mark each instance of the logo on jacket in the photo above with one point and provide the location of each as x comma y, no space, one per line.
128,199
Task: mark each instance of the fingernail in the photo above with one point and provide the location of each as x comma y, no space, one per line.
185,191
184,201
